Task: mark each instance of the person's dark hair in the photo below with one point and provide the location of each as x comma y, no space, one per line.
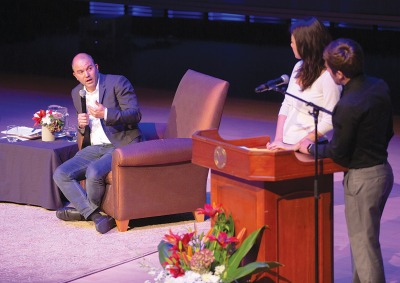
311,37
345,55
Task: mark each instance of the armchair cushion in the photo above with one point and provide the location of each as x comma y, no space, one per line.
153,152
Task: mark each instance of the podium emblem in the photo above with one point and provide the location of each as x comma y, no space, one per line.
220,157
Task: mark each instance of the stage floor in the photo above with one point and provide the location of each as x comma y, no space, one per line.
22,96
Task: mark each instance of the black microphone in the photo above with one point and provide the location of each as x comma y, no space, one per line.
272,84
86,134
82,94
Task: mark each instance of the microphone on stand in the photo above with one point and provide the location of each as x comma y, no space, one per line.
86,134
272,84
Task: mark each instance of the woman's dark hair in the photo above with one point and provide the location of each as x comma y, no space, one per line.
311,37
345,55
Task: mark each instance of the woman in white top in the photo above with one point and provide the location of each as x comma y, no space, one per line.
309,81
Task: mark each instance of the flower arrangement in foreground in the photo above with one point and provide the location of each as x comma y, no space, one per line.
49,119
214,257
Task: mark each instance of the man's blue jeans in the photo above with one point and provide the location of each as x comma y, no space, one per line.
92,163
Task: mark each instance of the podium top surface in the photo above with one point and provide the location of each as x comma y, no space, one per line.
248,158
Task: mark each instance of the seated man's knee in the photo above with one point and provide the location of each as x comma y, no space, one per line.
92,173
60,175
95,173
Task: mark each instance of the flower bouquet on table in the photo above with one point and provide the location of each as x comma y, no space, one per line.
53,121
214,257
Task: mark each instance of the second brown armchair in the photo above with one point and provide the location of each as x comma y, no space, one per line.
156,177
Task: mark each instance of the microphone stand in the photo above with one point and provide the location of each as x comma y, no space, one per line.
315,114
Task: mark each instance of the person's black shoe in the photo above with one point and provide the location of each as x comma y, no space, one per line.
103,223
69,214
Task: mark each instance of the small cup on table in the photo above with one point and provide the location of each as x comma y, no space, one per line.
71,133
12,133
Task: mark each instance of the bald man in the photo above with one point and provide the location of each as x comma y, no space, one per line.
112,119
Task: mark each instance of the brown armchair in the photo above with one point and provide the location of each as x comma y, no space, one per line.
156,177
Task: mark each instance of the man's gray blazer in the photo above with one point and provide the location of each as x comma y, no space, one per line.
116,93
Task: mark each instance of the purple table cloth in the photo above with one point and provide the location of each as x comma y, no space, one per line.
26,171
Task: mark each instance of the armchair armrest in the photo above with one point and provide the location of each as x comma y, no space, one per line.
153,152
150,131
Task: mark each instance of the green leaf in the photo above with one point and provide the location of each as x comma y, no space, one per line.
231,226
236,258
163,251
219,256
251,268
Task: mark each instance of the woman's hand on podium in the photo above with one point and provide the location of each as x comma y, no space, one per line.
278,145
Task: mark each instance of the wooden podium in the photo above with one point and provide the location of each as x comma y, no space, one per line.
274,188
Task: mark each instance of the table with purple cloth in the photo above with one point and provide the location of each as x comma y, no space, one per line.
27,169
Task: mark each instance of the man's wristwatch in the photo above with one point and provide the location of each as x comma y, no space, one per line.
309,147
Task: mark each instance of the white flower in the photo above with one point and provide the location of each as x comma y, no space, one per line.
219,270
189,277
46,120
192,276
210,278
180,279
161,275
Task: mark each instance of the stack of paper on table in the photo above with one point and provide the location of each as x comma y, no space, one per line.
26,133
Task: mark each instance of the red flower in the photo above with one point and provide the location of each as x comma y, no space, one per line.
179,243
223,239
175,268
210,210
176,271
37,117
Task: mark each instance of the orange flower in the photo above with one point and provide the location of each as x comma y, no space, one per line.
240,237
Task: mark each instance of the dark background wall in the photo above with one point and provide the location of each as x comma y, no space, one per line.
41,37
